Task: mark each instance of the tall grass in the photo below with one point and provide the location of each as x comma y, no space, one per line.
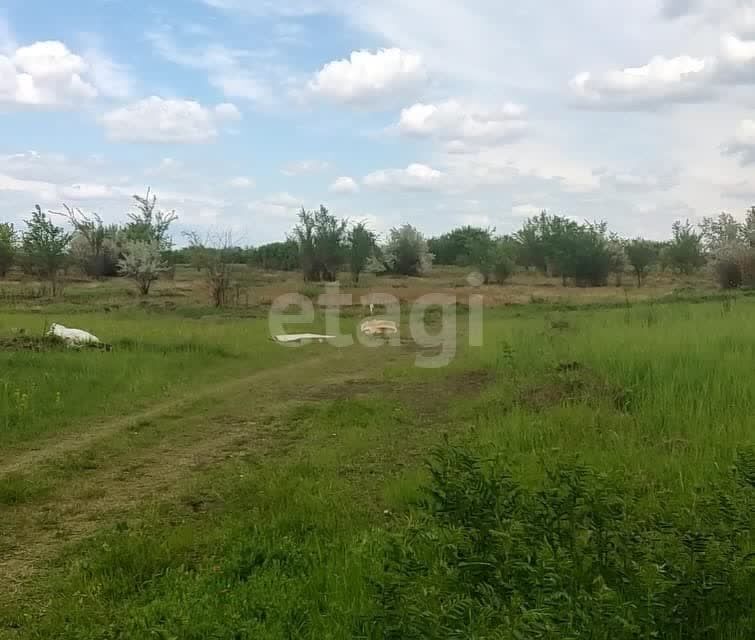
642,528
154,356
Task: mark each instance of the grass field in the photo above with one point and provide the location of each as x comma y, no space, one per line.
593,475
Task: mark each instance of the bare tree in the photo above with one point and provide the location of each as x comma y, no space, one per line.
93,242
213,257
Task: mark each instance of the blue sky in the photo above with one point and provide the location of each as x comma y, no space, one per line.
438,113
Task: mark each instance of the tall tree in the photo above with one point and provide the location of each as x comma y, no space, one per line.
361,247
322,244
150,224
721,232
93,241
45,247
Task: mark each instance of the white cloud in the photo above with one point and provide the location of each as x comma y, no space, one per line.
662,80
414,177
44,74
86,192
156,119
279,205
344,184
366,77
305,167
453,119
241,182
526,210
743,143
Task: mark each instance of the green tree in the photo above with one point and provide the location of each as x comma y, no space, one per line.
684,253
531,240
503,263
723,231
406,252
361,248
329,244
481,252
592,256
150,224
8,247
322,244
279,256
642,255
452,248
45,247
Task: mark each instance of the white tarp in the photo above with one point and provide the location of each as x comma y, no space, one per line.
302,337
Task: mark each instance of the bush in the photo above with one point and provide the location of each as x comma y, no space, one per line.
503,266
735,267
747,265
729,273
406,252
582,556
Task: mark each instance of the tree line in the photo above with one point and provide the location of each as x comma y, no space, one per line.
581,254
139,249
322,245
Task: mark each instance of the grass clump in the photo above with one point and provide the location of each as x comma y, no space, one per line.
582,555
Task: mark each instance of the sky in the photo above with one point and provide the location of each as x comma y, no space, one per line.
237,113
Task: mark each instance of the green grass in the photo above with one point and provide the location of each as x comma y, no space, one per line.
293,541
155,356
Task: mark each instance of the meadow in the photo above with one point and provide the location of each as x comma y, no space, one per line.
588,472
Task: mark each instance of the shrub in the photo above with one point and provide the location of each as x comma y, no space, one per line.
735,267
503,265
729,273
406,252
582,556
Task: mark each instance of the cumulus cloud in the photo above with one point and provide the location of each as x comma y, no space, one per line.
304,167
662,80
415,177
44,74
365,77
48,74
157,119
454,119
344,184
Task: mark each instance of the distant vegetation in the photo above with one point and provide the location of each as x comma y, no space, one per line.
321,246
